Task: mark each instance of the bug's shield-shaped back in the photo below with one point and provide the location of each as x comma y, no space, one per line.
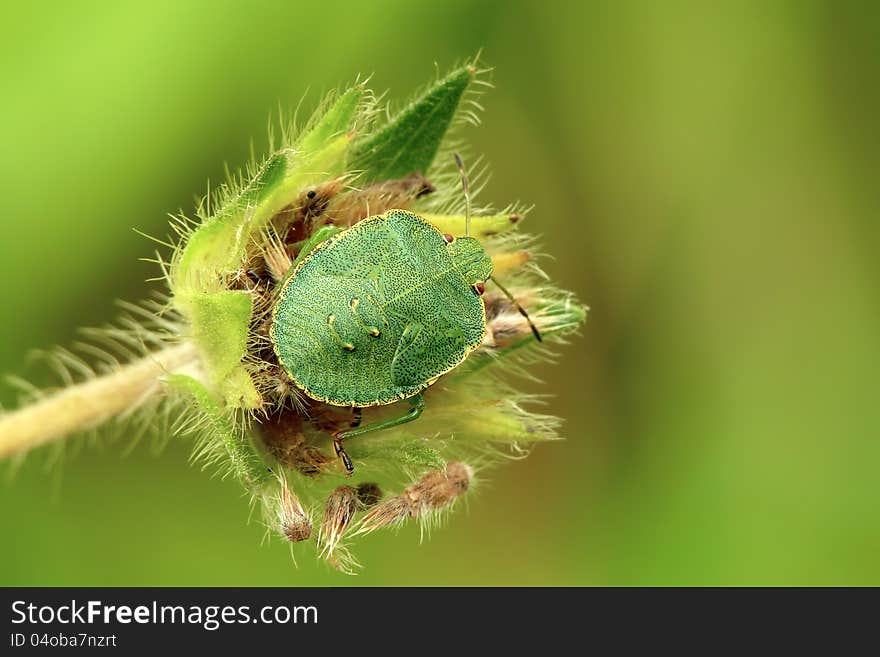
379,311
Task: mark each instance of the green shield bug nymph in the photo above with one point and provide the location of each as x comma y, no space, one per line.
375,313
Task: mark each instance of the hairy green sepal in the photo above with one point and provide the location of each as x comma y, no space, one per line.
410,140
244,460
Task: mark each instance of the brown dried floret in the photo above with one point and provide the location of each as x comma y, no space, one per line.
433,492
293,522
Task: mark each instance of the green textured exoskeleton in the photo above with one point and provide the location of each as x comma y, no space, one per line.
378,312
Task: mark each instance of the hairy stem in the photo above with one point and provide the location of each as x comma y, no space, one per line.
92,402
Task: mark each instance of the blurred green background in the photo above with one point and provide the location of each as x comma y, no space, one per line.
705,177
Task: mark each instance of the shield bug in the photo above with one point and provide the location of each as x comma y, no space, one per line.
374,314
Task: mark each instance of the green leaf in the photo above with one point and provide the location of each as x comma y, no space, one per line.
336,121
409,141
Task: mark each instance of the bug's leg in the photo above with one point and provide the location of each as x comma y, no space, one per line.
418,405
522,311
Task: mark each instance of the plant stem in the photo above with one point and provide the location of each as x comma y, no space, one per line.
88,404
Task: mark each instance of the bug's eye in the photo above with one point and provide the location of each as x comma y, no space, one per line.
311,193
479,288
449,238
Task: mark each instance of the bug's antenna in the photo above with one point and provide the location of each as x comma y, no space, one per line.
467,194
522,311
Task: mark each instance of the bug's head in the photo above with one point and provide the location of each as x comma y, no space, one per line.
470,258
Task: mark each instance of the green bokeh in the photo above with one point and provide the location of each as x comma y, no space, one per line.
705,176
